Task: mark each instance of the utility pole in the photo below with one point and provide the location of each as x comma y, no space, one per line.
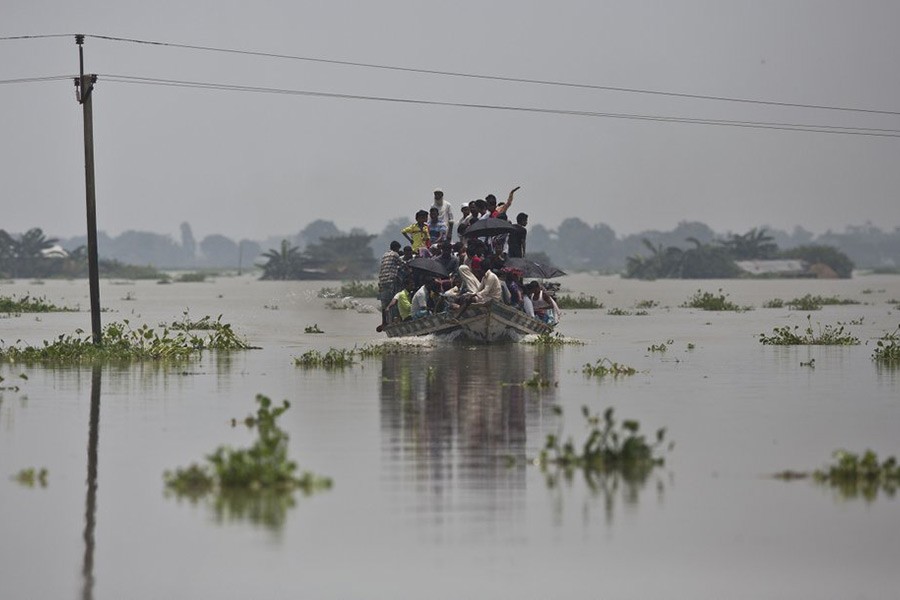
84,86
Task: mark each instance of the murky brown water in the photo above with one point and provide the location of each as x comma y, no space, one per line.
425,504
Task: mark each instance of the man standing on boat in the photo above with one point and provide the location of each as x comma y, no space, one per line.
388,274
445,212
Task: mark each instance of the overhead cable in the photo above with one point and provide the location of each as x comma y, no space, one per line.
892,133
496,77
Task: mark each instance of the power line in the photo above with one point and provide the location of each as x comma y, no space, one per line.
495,77
36,79
35,37
871,132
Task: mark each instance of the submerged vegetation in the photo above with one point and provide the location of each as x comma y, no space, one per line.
605,367
120,342
335,358
579,301
810,302
256,481
887,348
31,476
609,447
709,301
854,475
829,335
29,304
551,339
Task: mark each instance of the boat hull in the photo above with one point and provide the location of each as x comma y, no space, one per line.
485,323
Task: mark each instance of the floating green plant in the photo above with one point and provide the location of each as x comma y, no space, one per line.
579,301
774,303
191,278
646,304
29,304
605,367
618,312
810,302
31,476
203,324
536,381
263,466
393,347
829,335
709,301
335,358
312,329
609,447
853,475
887,348
553,338
660,347
119,342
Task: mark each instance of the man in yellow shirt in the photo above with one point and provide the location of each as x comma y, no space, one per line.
417,233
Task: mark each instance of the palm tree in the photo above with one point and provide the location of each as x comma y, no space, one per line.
284,264
754,244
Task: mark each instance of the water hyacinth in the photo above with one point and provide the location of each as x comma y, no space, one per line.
120,342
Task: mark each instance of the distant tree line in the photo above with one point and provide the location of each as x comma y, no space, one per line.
574,245
31,255
719,259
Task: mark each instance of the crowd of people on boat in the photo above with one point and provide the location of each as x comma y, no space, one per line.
434,274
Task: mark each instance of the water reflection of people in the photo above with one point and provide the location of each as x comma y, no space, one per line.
458,415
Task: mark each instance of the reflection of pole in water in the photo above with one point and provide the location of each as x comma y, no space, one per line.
90,510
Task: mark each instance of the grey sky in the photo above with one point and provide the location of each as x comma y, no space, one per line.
251,165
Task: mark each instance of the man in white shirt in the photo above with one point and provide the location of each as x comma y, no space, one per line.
445,212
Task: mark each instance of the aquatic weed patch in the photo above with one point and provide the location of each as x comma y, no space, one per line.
829,335
579,301
120,342
714,302
853,475
29,304
312,329
609,447
607,368
335,358
257,480
887,348
31,476
810,302
551,339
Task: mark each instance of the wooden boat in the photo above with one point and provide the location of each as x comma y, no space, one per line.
485,323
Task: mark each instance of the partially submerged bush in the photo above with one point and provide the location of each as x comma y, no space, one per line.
793,336
604,367
609,447
120,342
887,348
709,301
810,302
263,466
29,304
853,475
333,359
579,301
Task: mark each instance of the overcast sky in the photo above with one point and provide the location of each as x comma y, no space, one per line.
257,164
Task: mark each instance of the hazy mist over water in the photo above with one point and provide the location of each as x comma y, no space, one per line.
254,164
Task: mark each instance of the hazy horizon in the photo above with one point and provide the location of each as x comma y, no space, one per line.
359,144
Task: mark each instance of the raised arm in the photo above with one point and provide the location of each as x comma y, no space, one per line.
508,202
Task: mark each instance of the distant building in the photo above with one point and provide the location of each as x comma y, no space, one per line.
55,251
790,267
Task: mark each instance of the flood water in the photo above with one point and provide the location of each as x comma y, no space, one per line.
433,495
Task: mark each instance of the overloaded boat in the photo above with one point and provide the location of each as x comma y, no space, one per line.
485,323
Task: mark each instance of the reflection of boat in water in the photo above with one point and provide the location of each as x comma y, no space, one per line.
491,322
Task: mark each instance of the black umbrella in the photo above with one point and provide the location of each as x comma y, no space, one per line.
428,265
531,268
489,227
